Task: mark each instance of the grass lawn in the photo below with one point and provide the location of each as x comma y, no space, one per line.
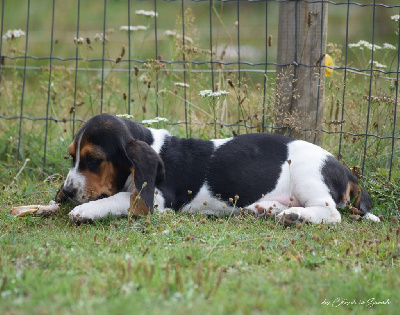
178,263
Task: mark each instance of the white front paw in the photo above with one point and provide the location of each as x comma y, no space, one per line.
290,217
83,213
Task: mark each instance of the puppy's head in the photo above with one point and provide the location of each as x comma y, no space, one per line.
105,151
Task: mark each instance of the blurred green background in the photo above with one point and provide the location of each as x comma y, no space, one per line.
153,92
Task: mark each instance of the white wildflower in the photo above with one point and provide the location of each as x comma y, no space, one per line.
209,93
155,120
389,46
181,84
133,28
378,65
395,18
19,33
78,41
143,78
169,33
205,93
356,46
146,13
126,116
219,93
364,44
99,37
187,38
12,34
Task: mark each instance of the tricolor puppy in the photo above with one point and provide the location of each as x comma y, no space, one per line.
121,167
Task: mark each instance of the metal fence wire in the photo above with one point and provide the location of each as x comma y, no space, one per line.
323,71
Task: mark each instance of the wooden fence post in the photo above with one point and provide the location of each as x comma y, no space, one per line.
300,79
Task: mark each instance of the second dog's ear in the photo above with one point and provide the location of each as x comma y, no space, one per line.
147,169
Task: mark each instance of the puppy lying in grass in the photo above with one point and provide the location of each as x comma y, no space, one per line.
121,167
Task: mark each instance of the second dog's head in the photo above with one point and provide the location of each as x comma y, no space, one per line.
105,151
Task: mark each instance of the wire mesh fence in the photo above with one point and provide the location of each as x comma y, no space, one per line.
65,61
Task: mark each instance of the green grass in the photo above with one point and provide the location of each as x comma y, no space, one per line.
177,263
244,103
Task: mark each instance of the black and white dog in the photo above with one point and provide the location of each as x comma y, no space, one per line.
119,167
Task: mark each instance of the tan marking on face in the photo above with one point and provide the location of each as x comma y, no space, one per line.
100,183
346,195
138,206
92,150
72,148
86,149
355,192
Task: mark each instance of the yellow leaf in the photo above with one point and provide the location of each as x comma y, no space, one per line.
329,63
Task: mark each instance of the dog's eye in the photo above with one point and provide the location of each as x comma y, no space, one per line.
92,163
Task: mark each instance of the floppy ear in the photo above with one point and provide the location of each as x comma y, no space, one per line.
147,169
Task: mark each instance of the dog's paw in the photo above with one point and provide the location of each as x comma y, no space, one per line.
84,213
254,211
287,218
264,210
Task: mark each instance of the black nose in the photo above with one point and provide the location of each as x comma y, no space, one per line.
69,192
64,194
